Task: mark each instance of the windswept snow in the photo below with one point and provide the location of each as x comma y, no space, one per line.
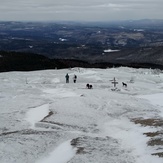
155,99
37,114
62,154
45,119
131,138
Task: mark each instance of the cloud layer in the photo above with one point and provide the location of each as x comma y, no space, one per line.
86,10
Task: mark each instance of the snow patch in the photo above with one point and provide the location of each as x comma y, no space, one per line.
110,50
62,39
131,138
62,154
155,99
36,114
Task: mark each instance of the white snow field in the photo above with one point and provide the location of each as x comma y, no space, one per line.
43,119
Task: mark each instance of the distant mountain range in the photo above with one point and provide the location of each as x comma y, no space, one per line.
128,43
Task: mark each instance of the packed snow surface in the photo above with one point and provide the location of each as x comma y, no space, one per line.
46,120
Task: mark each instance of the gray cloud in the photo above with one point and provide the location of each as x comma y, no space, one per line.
87,10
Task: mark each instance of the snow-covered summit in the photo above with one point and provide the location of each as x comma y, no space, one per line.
45,119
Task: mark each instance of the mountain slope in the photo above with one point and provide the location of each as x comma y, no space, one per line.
44,118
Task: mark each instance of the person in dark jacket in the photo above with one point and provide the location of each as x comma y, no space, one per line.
67,78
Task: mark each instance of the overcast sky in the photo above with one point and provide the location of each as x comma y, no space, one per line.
80,10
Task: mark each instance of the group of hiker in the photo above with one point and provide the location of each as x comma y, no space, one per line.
88,86
67,78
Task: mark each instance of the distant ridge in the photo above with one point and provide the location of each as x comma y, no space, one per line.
15,61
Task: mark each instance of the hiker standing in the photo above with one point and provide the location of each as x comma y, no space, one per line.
74,78
67,78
